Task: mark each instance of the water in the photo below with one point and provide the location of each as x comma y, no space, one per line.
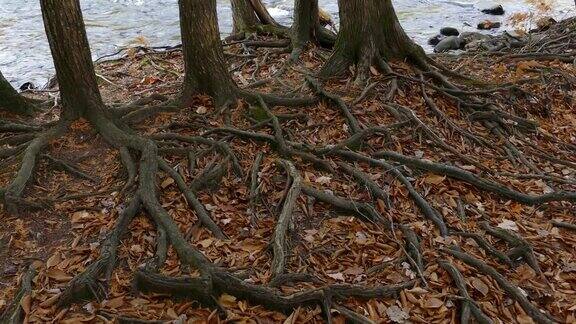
111,24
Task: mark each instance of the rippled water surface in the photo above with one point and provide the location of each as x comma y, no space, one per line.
25,56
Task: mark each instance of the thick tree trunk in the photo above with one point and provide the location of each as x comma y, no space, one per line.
72,59
244,17
369,31
205,68
306,21
251,16
307,28
12,101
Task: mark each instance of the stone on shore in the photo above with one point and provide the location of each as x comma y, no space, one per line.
487,25
497,10
448,44
449,31
435,40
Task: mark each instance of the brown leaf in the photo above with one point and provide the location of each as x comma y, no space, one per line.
434,179
58,275
433,302
336,276
480,286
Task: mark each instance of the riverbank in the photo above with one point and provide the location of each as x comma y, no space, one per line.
526,91
111,25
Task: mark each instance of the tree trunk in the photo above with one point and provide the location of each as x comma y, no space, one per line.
72,59
263,14
11,100
244,17
307,28
251,16
205,68
369,31
306,22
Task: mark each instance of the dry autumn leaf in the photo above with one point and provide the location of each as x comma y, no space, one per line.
480,286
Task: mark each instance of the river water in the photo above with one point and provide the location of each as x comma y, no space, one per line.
111,24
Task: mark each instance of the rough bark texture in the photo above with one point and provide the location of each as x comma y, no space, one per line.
370,30
306,21
244,16
71,54
307,28
10,100
203,56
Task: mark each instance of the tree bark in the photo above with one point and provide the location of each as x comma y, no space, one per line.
72,59
244,17
369,30
11,100
205,68
307,28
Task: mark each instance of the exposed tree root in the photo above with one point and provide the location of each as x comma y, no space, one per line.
481,183
280,241
14,312
467,306
15,189
514,292
88,285
224,282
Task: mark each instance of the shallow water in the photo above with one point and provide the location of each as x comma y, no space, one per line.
25,56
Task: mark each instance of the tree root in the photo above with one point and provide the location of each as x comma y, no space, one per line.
87,285
14,312
279,243
68,167
486,246
224,282
192,200
481,183
564,225
538,315
15,189
254,186
319,90
521,249
467,305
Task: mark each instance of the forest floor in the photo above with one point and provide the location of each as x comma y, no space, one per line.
334,246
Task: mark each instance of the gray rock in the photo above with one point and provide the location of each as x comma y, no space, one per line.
435,40
497,10
449,31
448,44
469,37
487,25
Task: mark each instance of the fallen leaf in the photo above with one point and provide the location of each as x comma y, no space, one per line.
508,225
227,300
323,180
336,276
433,302
434,179
168,181
396,314
58,275
480,286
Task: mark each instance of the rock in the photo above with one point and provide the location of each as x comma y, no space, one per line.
487,25
472,41
449,31
469,37
496,10
27,86
435,40
448,44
